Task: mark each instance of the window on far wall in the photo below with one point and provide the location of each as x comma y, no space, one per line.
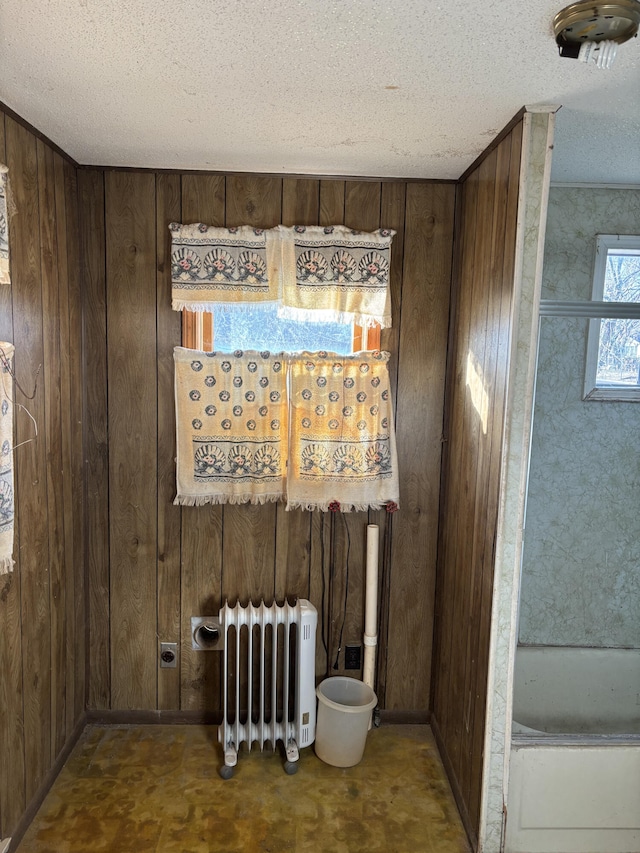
613,347
230,329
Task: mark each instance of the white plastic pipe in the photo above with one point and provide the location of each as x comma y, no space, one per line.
371,605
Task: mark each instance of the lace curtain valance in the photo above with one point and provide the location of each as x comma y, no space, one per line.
4,226
312,273
6,457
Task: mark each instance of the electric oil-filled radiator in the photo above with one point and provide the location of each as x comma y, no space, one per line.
268,679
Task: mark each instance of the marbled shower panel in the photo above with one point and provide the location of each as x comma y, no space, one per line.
581,566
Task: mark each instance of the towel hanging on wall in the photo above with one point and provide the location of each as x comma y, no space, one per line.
4,226
6,458
336,275
231,426
342,450
223,266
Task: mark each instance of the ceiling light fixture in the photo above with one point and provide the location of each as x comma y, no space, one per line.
591,32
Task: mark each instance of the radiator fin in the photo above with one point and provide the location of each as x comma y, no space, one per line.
268,676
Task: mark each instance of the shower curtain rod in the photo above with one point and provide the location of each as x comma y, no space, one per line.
561,308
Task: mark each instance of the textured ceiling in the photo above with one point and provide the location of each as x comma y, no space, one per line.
358,87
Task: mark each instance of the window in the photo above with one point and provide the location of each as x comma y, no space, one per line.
613,347
260,328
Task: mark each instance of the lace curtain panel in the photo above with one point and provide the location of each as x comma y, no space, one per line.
311,273
6,458
231,427
314,429
4,227
342,441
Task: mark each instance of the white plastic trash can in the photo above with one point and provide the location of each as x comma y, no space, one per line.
344,711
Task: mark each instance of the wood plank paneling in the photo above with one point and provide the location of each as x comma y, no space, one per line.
476,388
75,402
67,449
133,431
480,382
497,367
168,209
38,640
12,770
203,200
93,259
455,432
428,244
53,441
104,332
472,405
30,459
134,532
392,215
246,552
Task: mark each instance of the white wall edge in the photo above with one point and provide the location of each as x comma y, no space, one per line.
535,168
543,108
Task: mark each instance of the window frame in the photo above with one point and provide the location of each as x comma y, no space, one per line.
198,333
615,392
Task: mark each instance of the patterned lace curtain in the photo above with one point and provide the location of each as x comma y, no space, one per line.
231,426
6,457
336,274
311,273
4,226
314,429
342,442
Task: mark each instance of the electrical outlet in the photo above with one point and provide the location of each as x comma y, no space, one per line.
352,656
168,655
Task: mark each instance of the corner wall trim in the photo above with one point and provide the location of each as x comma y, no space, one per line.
506,130
37,133
45,787
453,781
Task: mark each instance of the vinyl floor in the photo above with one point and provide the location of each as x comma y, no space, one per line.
156,789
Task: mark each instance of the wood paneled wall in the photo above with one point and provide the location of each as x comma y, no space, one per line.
476,386
42,641
152,565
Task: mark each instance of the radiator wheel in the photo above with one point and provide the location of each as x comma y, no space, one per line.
226,772
290,767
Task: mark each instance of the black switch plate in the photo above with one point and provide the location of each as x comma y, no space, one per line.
352,655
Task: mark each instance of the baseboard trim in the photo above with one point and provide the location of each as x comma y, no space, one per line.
404,718
153,718
453,781
107,717
38,798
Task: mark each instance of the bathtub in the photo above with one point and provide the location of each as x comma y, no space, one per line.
574,770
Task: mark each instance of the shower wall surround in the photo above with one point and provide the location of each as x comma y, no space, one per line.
581,563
